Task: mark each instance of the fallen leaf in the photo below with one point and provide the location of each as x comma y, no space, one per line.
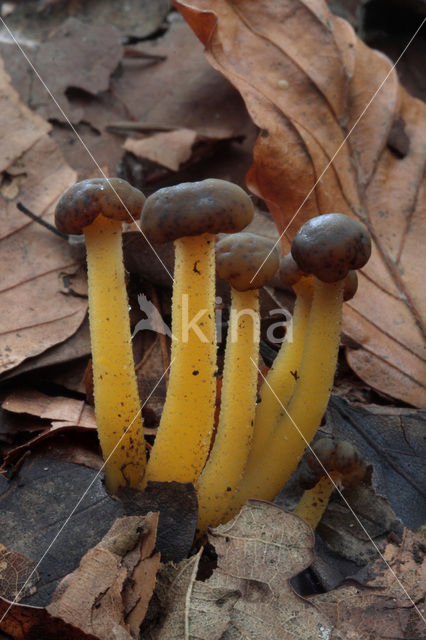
114,582
355,532
249,594
35,314
76,55
17,575
392,440
63,413
171,149
33,623
56,408
382,606
35,20
190,609
35,506
307,80
67,358
20,127
178,508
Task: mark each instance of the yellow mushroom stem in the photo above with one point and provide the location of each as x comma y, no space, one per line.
117,404
313,503
224,468
281,378
299,423
183,439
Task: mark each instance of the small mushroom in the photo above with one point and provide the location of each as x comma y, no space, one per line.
248,262
97,208
299,422
328,464
330,245
284,373
191,214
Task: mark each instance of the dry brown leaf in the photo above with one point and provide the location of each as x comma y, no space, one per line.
77,56
258,552
35,313
190,608
249,594
20,127
170,149
63,413
55,408
380,608
306,80
17,575
34,623
114,582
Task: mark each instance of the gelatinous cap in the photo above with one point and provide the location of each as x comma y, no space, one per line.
336,456
290,272
331,245
246,260
194,208
85,200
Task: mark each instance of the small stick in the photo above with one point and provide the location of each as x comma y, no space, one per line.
40,220
132,53
139,127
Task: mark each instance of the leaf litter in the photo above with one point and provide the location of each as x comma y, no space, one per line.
303,161
226,603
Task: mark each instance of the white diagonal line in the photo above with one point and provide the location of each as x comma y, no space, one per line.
80,139
341,145
342,496
79,501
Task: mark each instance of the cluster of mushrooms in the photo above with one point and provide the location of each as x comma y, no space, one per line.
261,434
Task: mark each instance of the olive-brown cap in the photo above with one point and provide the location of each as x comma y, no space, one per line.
194,208
331,245
336,456
85,200
290,272
246,260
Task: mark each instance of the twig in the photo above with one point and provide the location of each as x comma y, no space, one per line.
40,220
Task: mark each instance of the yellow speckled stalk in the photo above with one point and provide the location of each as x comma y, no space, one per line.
313,502
281,378
286,446
228,457
117,402
183,439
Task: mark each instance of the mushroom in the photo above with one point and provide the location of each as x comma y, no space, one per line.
278,387
238,260
97,208
328,246
191,214
329,464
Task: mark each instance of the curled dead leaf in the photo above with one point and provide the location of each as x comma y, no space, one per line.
326,105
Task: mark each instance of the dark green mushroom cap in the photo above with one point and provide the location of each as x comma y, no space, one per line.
246,261
336,456
85,200
193,208
290,273
330,245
